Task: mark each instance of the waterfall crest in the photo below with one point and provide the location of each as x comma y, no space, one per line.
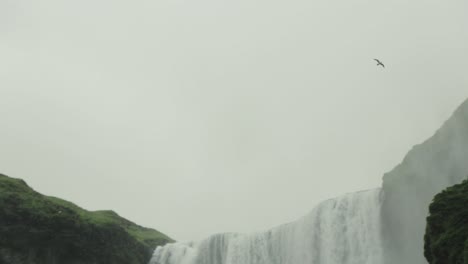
345,230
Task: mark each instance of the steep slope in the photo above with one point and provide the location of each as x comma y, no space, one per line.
37,229
428,168
446,239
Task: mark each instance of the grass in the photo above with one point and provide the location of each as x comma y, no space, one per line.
29,219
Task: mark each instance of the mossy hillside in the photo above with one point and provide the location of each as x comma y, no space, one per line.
39,224
446,238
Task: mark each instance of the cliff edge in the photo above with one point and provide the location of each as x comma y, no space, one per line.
427,169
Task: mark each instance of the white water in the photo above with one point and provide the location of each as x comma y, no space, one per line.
345,230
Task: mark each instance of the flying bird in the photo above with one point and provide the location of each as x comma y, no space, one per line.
379,63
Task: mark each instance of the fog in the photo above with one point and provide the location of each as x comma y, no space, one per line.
195,117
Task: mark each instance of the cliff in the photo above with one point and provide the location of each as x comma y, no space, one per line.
446,239
38,229
430,167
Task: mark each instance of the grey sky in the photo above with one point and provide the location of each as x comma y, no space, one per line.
197,117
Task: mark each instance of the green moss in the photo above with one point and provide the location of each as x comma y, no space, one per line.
446,238
35,225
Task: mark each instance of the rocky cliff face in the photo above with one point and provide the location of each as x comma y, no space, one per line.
446,239
341,236
427,169
37,229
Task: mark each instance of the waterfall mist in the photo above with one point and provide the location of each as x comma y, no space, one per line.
345,230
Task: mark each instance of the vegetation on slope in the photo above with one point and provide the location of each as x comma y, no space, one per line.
35,228
446,238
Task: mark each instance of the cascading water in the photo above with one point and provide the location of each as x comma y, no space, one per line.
348,230
345,230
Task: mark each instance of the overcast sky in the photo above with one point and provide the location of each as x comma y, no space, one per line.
198,117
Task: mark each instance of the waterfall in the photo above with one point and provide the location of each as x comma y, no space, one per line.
345,230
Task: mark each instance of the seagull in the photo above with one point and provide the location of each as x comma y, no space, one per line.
379,63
